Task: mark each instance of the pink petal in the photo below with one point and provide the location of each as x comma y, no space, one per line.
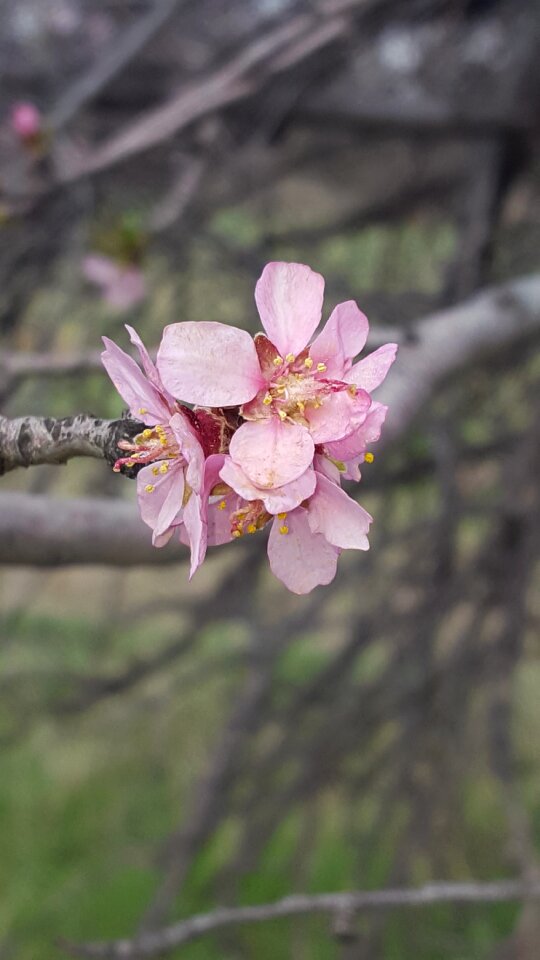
342,521
209,363
148,364
300,558
338,415
160,495
342,338
191,449
327,467
289,299
272,453
357,442
278,500
370,372
352,469
219,522
196,531
163,538
133,386
217,525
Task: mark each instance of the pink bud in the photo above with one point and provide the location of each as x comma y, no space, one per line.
26,121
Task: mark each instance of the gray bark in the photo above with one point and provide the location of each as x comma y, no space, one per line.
27,441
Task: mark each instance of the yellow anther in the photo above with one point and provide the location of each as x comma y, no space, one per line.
237,533
155,471
252,528
301,405
352,390
142,411
129,463
290,358
163,441
149,488
282,415
278,361
281,516
284,528
368,457
147,434
164,467
308,362
222,505
281,389
321,367
268,399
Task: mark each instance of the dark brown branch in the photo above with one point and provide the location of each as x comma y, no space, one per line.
162,941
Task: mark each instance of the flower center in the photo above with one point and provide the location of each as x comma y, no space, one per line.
297,384
154,443
249,519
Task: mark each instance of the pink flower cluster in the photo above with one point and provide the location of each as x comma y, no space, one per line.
122,286
276,423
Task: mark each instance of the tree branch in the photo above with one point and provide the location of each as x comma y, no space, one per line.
117,56
245,73
156,943
40,531
27,441
451,340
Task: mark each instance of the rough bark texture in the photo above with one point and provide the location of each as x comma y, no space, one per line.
27,441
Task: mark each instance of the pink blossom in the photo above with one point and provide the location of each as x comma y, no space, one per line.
122,285
279,421
293,394
26,121
312,521
169,449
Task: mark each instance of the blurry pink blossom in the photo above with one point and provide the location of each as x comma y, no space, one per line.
122,285
26,121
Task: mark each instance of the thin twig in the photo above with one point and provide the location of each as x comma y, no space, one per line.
116,57
161,941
